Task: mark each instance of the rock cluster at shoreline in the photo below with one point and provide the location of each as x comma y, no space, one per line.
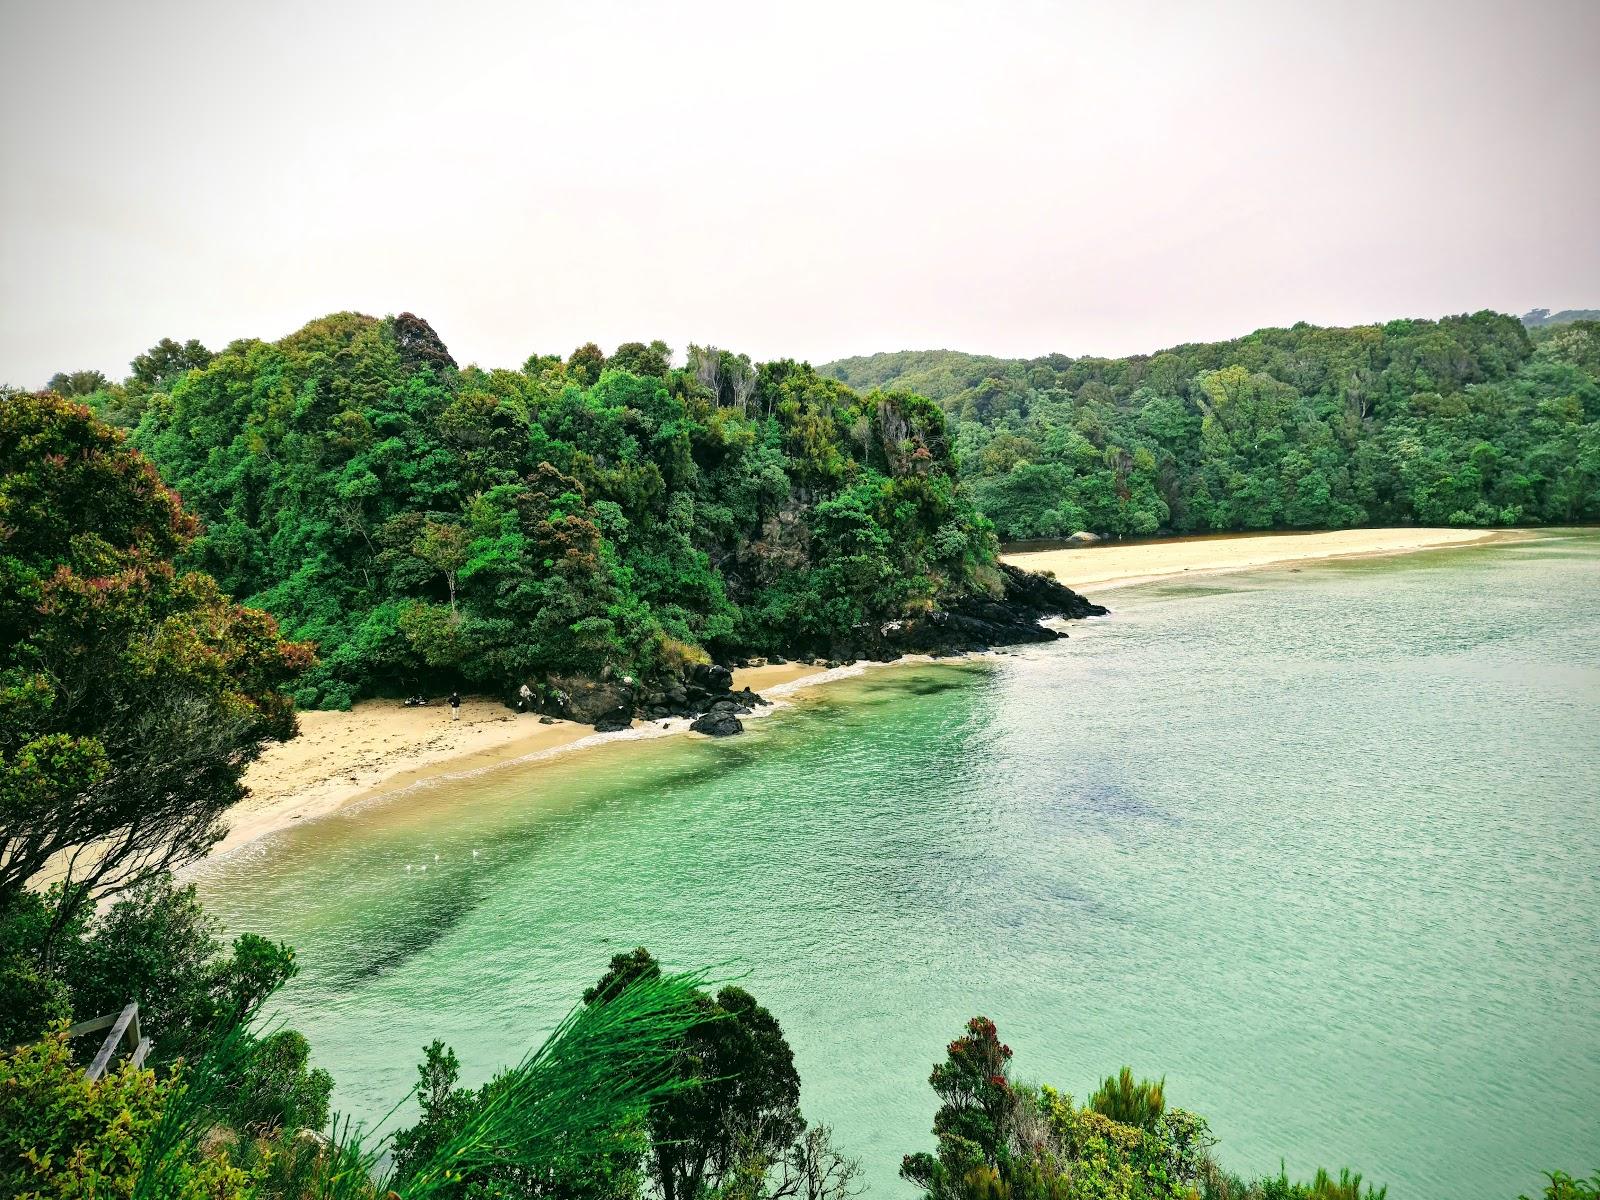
705,694
975,624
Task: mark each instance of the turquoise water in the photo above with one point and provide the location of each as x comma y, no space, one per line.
1322,847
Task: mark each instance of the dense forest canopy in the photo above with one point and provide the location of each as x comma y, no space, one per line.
432,525
425,523
1470,420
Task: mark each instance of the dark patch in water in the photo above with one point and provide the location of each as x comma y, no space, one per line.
1114,800
1194,591
933,687
407,930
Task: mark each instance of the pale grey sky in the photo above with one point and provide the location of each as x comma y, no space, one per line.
808,180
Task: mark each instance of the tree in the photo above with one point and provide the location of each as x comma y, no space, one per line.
585,364
1129,1103
275,1090
164,362
443,546
639,359
738,1114
76,383
814,1169
740,377
132,695
975,1119
705,363
445,1108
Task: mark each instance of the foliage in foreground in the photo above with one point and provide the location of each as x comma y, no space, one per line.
1003,1140
132,694
62,1135
185,1134
729,1126
1564,1187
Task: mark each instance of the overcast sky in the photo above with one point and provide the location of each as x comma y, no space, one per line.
809,180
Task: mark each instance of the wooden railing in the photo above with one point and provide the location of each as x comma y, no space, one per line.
124,1028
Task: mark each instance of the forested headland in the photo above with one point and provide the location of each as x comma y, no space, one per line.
1472,420
431,526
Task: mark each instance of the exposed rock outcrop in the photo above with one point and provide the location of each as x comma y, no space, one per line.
616,719
974,623
588,700
705,693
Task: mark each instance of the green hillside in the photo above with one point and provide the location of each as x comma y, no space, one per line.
1469,420
430,525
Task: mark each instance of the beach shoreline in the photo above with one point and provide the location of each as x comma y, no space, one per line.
1108,566
380,748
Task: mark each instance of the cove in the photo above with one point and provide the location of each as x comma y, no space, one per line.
1319,846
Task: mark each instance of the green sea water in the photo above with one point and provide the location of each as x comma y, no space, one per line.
1322,847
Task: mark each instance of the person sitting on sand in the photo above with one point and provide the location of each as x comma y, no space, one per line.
455,706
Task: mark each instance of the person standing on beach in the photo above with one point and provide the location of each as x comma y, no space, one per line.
455,706
525,699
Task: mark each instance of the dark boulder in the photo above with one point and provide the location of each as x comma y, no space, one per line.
713,677
615,720
588,700
718,724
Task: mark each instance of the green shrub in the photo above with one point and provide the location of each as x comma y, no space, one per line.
65,1137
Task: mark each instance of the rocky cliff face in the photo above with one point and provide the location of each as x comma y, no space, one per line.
976,623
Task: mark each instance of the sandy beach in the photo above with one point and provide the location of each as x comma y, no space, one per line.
1097,568
380,747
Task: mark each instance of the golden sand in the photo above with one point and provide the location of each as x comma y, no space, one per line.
1097,568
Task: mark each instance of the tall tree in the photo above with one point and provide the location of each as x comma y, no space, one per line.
132,695
166,360
76,383
738,1114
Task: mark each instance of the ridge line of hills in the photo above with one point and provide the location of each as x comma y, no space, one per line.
1475,420
430,525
